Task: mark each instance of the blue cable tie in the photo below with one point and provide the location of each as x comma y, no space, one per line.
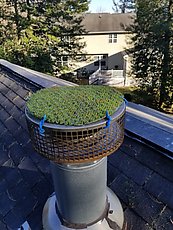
125,100
108,117
41,130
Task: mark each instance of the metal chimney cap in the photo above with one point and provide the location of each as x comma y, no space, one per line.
77,144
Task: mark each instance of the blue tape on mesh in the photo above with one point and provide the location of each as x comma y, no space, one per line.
108,122
41,130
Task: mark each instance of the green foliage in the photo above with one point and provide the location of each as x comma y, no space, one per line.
36,33
133,94
152,53
30,51
74,105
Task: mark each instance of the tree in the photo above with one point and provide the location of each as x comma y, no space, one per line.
152,53
166,78
40,29
67,25
19,44
123,5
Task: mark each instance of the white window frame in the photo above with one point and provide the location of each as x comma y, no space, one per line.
66,39
63,61
112,38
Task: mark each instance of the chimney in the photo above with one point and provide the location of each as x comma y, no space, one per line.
78,159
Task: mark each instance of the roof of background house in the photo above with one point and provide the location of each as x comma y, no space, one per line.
138,173
106,22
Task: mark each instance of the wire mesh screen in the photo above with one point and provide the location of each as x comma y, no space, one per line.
78,145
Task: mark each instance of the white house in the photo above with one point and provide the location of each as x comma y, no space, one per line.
106,41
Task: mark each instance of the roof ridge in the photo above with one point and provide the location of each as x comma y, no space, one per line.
36,78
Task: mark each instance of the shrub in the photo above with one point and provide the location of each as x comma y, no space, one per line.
74,105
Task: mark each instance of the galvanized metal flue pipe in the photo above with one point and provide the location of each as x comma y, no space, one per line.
80,191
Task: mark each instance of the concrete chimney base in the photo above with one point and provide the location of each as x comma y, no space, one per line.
112,221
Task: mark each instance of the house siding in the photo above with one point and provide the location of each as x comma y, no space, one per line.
98,45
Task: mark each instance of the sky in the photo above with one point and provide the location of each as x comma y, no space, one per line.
97,6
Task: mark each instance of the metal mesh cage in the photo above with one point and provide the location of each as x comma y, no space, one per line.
76,144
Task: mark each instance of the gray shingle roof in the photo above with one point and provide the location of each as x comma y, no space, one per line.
24,174
137,173
142,179
106,22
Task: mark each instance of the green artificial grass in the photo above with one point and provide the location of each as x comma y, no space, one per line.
77,105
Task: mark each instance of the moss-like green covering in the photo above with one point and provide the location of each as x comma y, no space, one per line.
74,105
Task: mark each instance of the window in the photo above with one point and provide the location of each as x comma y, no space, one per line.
63,61
104,56
112,38
103,63
96,63
65,39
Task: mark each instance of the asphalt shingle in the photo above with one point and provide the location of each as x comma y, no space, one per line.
18,172
137,173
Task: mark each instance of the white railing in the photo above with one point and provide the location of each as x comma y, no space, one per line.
110,77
